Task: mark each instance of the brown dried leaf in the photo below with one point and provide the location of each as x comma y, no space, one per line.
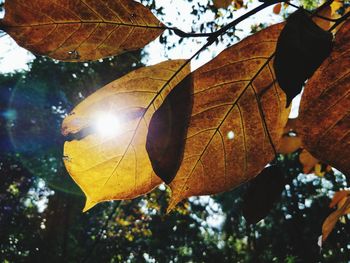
79,30
116,165
324,112
228,142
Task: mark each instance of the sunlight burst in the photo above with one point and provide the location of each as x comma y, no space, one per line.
107,124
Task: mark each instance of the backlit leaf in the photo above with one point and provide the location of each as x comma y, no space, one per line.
324,110
238,110
110,161
79,30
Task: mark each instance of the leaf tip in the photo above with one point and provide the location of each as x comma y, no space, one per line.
172,204
89,204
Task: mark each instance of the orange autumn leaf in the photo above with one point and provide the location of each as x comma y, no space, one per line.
110,162
237,118
80,30
324,115
277,8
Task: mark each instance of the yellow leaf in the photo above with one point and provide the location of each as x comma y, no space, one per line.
332,219
238,111
80,30
324,111
111,161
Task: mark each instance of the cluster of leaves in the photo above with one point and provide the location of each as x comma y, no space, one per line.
201,132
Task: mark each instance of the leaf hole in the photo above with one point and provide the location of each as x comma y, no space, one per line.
230,135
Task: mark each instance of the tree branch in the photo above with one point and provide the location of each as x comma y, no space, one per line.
216,34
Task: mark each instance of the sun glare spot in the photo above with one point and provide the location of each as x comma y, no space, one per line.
230,135
107,124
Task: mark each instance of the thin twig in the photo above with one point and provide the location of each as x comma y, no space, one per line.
181,33
219,32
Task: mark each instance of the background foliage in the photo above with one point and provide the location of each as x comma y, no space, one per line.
40,207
